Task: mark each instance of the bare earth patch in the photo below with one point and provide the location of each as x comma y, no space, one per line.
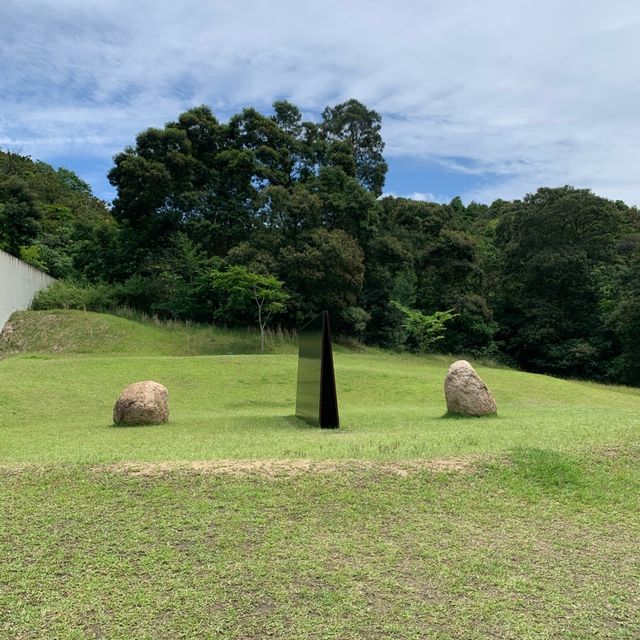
289,468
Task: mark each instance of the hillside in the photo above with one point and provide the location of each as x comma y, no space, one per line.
84,332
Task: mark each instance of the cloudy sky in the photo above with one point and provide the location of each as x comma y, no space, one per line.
480,98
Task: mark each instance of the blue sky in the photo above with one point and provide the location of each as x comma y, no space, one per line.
484,100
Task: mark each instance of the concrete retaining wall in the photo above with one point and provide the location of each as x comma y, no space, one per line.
19,283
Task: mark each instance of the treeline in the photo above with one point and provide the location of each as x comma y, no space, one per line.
550,283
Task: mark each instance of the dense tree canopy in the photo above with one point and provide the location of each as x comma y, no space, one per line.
548,283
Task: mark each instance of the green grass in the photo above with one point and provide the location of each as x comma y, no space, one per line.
76,332
59,410
535,537
500,553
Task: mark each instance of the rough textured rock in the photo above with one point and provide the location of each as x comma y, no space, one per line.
466,393
142,403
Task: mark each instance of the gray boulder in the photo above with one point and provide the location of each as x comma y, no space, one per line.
142,403
466,393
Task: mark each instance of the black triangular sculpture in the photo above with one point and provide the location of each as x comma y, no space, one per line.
316,399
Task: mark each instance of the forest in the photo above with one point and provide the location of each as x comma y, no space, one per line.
265,220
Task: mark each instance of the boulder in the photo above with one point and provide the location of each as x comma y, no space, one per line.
142,403
466,393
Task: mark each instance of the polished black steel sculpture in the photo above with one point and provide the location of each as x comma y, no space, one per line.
317,401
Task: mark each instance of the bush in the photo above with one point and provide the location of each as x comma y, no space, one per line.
66,294
423,330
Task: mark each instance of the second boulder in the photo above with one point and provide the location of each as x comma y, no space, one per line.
466,393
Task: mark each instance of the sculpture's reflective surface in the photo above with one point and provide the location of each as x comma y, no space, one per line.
316,400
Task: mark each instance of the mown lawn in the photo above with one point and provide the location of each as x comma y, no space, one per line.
57,409
237,521
543,545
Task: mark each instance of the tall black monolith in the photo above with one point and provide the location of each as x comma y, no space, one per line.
316,400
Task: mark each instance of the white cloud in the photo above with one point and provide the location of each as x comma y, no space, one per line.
419,195
530,92
429,197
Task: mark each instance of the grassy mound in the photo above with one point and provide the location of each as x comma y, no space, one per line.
85,332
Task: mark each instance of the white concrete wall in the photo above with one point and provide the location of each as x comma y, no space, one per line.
19,283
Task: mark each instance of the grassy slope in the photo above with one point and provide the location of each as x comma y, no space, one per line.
537,542
77,332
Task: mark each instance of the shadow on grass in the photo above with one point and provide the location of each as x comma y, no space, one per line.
261,423
113,425
298,423
458,416
536,474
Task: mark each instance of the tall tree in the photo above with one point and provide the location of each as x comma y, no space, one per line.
325,270
351,121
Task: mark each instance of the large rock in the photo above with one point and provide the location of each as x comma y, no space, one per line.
466,393
142,403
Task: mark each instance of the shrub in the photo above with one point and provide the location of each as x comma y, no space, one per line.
424,330
66,294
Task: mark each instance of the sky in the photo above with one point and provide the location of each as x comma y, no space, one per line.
484,99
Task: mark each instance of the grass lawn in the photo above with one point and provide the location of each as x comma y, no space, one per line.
237,521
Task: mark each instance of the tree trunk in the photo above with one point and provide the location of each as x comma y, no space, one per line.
261,325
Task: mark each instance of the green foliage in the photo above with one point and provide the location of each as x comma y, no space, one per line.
241,290
351,122
555,244
33,255
324,270
424,330
623,300
50,218
20,219
179,275
547,283
72,295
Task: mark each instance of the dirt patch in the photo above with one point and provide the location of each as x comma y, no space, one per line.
16,469
94,631
289,468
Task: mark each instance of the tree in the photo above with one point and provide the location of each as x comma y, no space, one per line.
424,330
554,244
49,217
180,275
20,220
270,146
344,203
419,254
290,211
351,121
622,301
240,289
325,270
